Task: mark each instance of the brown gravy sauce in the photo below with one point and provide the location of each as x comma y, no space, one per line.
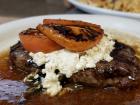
12,92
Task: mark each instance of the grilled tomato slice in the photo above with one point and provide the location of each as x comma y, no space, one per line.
34,41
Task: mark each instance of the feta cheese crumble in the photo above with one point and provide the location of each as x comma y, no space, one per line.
68,63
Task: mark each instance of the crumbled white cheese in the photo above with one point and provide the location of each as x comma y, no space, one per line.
63,60
68,62
51,83
39,58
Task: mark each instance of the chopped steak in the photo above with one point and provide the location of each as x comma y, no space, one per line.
122,72
113,74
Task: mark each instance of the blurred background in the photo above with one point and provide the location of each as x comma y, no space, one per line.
14,9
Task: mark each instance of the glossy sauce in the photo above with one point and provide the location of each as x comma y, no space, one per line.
12,92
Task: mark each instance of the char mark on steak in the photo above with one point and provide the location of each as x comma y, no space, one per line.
122,72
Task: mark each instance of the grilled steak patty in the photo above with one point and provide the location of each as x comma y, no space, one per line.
20,59
122,72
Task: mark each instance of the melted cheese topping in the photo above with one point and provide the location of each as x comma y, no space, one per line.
68,62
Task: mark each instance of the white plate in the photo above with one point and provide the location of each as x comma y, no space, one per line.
9,31
93,9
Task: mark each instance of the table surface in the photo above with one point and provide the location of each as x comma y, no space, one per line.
15,9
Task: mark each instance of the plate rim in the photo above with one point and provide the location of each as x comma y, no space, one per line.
74,14
23,21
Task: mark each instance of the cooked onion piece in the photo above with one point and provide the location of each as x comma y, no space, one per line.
34,41
73,35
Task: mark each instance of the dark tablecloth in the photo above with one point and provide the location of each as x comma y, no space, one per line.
15,9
